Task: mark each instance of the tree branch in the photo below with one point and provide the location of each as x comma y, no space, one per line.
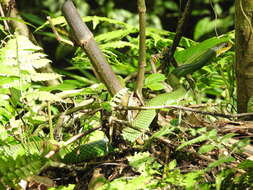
84,39
142,49
169,53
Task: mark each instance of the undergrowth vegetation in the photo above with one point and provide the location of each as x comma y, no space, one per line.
41,124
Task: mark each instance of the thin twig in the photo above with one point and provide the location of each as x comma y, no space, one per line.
142,49
228,116
57,35
76,108
58,127
51,130
153,61
6,26
169,54
71,140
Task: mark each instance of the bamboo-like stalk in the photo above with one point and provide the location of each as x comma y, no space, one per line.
169,54
142,48
6,26
84,38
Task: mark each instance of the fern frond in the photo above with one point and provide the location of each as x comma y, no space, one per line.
94,19
42,96
13,170
117,45
7,71
44,76
114,35
33,147
21,56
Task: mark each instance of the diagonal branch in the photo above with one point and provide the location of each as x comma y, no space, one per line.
84,38
169,54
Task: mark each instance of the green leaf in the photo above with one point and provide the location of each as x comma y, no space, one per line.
168,129
13,170
115,35
171,5
139,160
155,86
61,187
227,137
222,160
247,164
55,21
206,25
42,96
250,104
15,96
154,81
3,131
117,45
172,164
156,77
7,70
20,57
32,18
66,85
95,19
17,20
221,177
191,179
206,148
210,135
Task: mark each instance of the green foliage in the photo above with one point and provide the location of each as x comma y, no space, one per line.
210,135
69,187
154,81
19,59
220,22
145,165
87,151
206,26
13,170
23,100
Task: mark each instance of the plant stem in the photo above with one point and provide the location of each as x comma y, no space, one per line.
51,129
57,35
142,48
169,54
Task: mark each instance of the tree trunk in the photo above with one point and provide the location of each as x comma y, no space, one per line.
244,52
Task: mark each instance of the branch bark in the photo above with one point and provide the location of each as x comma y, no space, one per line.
84,38
244,52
